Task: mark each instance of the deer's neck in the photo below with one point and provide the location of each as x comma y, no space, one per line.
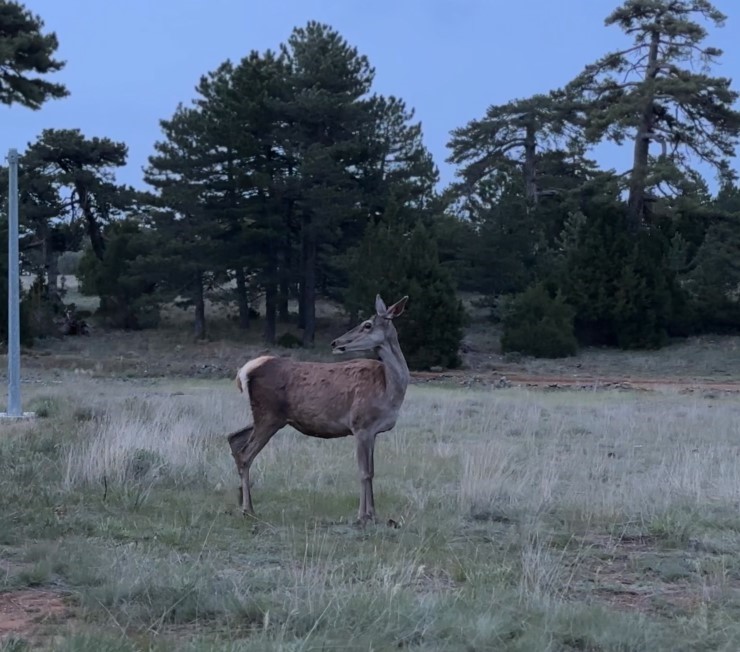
396,370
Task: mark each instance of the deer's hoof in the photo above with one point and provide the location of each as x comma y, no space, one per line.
364,519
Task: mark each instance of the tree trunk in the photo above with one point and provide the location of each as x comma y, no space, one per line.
52,271
271,299
638,176
93,228
284,292
530,166
50,267
200,308
309,283
242,299
302,283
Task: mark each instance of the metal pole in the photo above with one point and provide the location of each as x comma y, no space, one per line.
14,330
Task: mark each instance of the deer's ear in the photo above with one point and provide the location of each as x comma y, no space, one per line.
380,306
396,310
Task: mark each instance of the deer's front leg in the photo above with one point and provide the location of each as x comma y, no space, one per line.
365,448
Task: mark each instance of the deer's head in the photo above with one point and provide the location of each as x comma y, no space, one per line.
373,332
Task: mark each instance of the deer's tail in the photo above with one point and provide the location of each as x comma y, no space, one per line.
242,376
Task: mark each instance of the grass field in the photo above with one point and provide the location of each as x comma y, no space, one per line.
594,521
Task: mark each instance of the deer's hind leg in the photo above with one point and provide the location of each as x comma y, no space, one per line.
245,446
238,442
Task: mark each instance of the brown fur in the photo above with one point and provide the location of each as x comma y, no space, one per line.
286,390
327,400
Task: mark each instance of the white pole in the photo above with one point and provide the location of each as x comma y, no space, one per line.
14,331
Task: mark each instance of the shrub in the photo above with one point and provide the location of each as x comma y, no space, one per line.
289,341
539,324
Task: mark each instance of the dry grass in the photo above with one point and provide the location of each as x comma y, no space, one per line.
530,521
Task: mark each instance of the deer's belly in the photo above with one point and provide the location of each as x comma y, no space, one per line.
321,430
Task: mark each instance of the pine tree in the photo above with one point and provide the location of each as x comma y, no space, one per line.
396,176
393,262
714,276
259,102
84,167
62,163
128,285
325,119
622,287
659,90
26,50
185,171
241,110
505,145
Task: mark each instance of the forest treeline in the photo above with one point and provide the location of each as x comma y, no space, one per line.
288,178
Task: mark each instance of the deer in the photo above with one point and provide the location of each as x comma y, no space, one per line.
360,398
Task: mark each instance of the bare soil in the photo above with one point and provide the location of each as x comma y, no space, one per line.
23,612
511,376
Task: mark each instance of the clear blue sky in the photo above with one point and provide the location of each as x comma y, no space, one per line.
129,63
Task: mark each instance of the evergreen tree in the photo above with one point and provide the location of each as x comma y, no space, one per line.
396,176
659,90
394,262
259,102
506,144
185,170
622,288
44,231
241,109
714,275
325,119
82,168
67,188
128,286
24,51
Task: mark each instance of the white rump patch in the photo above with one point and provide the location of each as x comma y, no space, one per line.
248,368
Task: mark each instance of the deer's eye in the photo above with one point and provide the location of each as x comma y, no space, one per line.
367,326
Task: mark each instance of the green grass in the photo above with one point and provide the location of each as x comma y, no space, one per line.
530,521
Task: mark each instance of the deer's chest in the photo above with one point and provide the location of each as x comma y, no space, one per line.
374,418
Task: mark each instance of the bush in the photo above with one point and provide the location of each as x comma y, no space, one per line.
539,324
289,341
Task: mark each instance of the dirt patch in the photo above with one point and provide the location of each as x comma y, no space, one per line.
585,382
658,598
21,612
624,574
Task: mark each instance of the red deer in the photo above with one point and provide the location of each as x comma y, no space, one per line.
327,400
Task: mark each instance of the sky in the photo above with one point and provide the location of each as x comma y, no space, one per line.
130,63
